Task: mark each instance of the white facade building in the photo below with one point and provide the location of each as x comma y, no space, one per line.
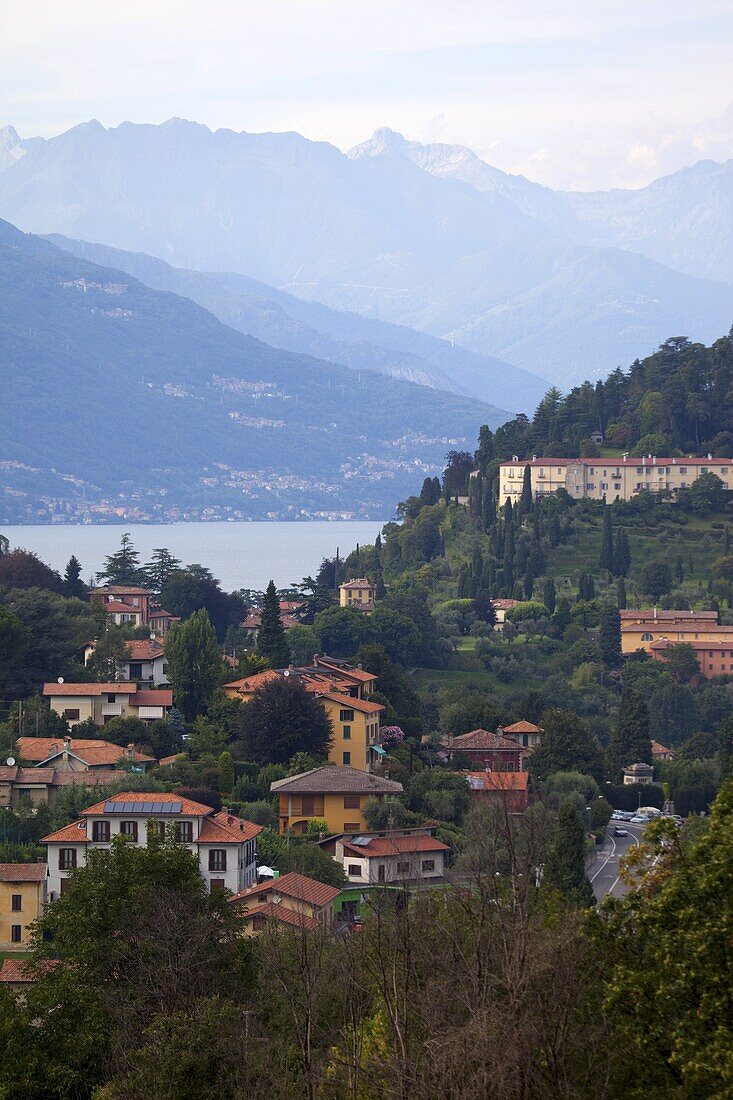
387,858
226,846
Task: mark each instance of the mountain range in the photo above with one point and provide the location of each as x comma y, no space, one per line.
429,237
120,399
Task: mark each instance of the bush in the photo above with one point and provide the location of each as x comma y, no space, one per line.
627,798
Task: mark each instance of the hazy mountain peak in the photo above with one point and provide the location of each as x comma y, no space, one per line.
11,148
383,140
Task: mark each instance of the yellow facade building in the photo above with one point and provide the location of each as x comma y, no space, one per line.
640,629
614,479
22,898
359,593
336,795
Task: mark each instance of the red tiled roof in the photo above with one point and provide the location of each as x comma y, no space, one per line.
14,971
85,690
340,669
364,705
396,845
142,649
22,872
280,913
91,750
223,828
93,778
116,608
189,808
680,624
659,750
697,643
359,582
166,761
251,683
161,613
335,779
121,590
503,604
480,739
522,727
499,781
656,614
293,885
75,833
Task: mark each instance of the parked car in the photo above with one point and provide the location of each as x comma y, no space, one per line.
620,832
639,819
617,815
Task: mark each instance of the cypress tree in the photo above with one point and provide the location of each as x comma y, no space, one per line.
630,742
508,562
565,866
194,663
621,553
606,558
488,506
621,594
528,582
226,773
610,635
526,498
271,641
549,594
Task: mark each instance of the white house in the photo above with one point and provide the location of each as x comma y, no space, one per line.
411,857
144,661
226,845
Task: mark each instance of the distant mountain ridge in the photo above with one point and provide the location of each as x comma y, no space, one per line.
429,237
117,393
361,343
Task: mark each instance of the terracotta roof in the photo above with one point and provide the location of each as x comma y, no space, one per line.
359,582
142,649
292,885
15,971
396,845
166,761
121,590
503,604
679,624
189,808
522,727
91,751
335,780
481,739
364,705
93,778
26,775
657,614
659,750
161,697
698,644
22,872
498,781
251,683
161,613
280,913
223,828
75,833
85,690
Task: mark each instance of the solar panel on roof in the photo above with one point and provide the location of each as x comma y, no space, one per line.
360,841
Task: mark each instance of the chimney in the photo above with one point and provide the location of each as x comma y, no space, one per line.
129,752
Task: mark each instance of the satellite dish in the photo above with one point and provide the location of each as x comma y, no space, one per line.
286,672
60,680
10,761
152,636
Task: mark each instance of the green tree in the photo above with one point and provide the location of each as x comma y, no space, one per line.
108,655
609,635
341,630
568,745
282,718
271,641
586,587
565,866
24,569
122,567
549,594
73,584
193,588
161,568
621,594
606,557
194,663
525,501
226,773
630,742
656,579
621,553
681,662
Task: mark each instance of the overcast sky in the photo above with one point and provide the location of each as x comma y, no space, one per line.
574,94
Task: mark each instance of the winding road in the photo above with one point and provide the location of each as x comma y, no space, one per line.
603,868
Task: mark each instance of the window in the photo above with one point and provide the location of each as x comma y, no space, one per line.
647,637
683,469
559,469
591,486
640,470
724,469
617,485
591,470
184,831
218,859
307,805
216,884
703,469
129,828
346,716
352,802
100,831
136,671
71,714
347,758
111,697
604,485
428,865
351,827
347,733
67,859
15,933
16,903
403,868
354,869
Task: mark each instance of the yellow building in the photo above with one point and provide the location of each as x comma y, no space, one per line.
22,898
344,692
334,794
359,593
614,479
639,629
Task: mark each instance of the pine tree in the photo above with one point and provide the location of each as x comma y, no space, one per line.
610,635
549,594
73,584
606,558
160,567
271,641
630,742
123,567
565,866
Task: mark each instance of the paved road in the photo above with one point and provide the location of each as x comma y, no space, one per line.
603,871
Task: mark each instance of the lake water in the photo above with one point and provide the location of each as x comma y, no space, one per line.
240,555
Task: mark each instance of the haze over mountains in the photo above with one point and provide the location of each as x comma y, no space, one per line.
120,399
563,285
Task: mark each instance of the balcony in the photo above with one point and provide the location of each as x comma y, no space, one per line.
111,709
150,712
